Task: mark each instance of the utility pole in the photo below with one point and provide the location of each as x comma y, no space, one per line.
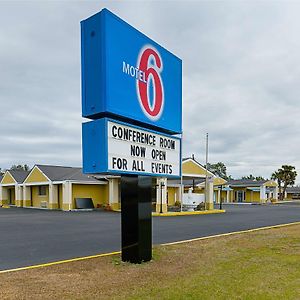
206,172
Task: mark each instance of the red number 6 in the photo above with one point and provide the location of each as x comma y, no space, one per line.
152,69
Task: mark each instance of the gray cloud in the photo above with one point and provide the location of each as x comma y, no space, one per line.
241,67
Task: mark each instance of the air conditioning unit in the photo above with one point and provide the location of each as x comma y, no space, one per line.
44,204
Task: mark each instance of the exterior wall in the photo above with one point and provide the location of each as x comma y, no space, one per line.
36,199
224,196
173,195
96,192
8,179
36,176
192,168
252,196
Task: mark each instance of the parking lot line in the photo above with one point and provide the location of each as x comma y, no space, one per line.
59,262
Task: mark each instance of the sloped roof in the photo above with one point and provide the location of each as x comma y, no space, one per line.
293,189
246,182
186,182
19,175
1,176
61,173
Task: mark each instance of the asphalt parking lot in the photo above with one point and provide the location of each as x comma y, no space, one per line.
30,236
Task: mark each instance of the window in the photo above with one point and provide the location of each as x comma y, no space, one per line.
42,190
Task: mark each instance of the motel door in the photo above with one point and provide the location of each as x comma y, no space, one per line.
240,196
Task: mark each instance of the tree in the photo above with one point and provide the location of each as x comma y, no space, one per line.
257,178
249,177
286,175
219,169
20,167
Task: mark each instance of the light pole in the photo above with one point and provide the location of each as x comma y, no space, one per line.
161,193
206,172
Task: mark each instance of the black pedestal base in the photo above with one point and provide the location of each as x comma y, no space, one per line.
136,194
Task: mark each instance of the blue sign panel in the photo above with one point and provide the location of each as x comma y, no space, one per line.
114,147
126,75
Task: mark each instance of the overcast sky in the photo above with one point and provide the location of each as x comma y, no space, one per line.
241,71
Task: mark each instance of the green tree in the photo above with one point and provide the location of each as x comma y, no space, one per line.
20,167
249,177
219,169
285,176
257,178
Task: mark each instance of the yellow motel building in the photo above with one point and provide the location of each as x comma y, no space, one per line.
55,187
60,187
251,191
194,181
11,190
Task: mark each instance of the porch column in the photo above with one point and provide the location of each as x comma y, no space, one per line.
219,196
26,196
18,195
263,194
227,196
3,195
53,196
275,194
67,196
209,194
161,195
113,193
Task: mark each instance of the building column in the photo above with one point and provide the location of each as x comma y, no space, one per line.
53,196
227,196
113,193
275,193
26,196
209,194
3,195
161,195
67,203
219,196
18,195
263,194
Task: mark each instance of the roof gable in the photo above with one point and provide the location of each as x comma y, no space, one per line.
192,167
8,179
36,175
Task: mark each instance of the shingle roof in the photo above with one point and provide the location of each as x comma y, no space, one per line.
246,182
186,182
60,173
19,175
293,189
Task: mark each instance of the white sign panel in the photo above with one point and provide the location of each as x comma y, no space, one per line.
140,151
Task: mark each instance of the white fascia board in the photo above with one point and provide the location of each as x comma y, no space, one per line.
87,182
36,183
9,184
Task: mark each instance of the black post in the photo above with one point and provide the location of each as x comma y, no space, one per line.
136,218
221,198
